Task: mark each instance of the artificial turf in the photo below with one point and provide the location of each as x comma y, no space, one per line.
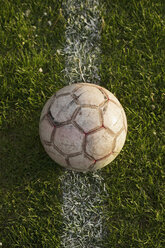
132,67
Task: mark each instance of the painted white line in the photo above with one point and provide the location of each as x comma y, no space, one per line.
82,51
82,192
82,213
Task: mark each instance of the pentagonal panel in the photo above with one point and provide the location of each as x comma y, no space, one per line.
67,89
112,117
80,162
88,119
68,139
105,161
56,156
120,140
99,144
46,107
45,130
89,95
63,108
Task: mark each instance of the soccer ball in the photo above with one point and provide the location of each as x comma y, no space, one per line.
83,127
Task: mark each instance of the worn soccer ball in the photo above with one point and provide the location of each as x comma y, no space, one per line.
83,127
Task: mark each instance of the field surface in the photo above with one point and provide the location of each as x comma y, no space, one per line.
32,35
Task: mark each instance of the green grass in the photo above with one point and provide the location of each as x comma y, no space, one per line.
29,181
28,44
132,67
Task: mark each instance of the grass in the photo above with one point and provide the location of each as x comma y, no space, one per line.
132,67
30,71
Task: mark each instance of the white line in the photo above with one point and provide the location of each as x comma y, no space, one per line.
82,51
82,213
82,192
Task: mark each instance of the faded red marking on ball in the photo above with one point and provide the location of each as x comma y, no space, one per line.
94,130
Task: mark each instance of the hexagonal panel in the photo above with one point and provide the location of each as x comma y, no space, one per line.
56,156
80,162
46,106
63,108
89,95
120,140
105,161
112,117
67,89
99,144
68,139
45,130
88,119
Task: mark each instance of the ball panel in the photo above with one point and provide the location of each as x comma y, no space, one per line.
63,108
67,89
69,139
124,119
99,144
56,156
46,107
103,162
89,95
112,117
88,119
113,99
45,130
120,140
81,162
